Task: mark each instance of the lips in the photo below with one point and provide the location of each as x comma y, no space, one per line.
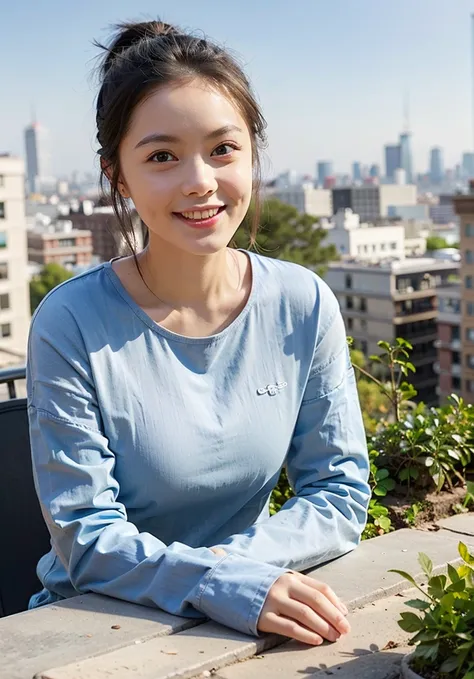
200,215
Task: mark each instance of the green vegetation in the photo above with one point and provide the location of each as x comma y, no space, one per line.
49,277
444,625
285,233
438,243
413,449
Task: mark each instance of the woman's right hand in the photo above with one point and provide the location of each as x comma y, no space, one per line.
303,609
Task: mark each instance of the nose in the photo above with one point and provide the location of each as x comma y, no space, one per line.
199,179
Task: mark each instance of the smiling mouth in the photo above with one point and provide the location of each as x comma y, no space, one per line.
201,215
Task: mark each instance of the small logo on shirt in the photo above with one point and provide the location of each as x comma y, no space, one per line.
272,389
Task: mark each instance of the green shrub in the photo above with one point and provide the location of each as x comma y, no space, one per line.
444,625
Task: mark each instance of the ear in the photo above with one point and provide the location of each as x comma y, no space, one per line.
107,170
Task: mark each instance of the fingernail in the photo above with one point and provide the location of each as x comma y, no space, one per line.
343,608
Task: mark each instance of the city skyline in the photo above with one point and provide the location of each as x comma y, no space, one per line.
343,91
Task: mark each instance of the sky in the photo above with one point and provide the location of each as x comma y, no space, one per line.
331,75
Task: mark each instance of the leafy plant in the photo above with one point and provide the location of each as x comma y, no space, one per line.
412,512
444,626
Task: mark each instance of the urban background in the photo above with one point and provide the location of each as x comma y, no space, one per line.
387,220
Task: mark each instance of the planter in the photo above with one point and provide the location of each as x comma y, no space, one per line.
406,672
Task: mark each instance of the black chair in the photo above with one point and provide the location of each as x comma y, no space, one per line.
24,537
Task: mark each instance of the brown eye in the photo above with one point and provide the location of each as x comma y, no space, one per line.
224,149
162,156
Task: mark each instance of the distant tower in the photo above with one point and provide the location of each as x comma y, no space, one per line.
37,156
436,166
323,171
356,171
392,160
406,160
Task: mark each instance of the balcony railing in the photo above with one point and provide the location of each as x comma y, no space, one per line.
9,376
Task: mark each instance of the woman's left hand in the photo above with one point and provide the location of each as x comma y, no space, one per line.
218,551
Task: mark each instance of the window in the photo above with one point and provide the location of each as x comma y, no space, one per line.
470,308
468,281
348,281
455,383
350,323
5,330
3,271
2,180
349,303
456,357
469,385
364,347
393,246
4,301
469,257
3,239
470,361
363,304
2,210
455,333
66,242
470,334
469,230
363,324
382,247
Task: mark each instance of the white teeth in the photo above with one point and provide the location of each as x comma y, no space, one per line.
205,214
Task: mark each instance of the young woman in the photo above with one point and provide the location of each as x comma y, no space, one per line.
168,388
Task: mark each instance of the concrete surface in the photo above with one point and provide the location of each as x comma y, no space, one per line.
76,639
463,524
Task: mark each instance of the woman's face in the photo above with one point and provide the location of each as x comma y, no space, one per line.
188,150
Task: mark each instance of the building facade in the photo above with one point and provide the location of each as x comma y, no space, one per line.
394,299
306,199
324,170
464,207
448,344
364,241
436,166
60,244
14,290
373,202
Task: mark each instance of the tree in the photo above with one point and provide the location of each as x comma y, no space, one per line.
285,233
49,277
436,243
374,404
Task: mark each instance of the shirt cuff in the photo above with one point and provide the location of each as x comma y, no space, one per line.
235,590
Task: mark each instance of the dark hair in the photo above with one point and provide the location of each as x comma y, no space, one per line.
147,55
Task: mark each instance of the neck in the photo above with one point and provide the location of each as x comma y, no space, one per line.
180,279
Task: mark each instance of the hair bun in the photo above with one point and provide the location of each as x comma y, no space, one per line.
129,34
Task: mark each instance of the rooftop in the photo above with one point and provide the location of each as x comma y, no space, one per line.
393,265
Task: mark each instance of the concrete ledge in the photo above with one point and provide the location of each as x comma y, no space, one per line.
462,524
359,578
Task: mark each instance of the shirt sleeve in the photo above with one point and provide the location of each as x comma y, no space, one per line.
327,465
73,468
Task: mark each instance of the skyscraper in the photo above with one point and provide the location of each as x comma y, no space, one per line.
356,171
392,160
468,165
436,165
38,165
406,162
323,171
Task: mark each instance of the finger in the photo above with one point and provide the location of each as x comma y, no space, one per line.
277,624
218,551
324,589
307,617
321,605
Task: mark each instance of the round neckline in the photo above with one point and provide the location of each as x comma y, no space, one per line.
169,334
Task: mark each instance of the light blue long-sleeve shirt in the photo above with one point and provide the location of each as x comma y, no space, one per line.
149,447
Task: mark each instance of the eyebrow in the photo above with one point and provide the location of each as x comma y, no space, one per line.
171,139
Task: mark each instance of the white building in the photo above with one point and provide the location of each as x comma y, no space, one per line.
306,199
14,290
364,241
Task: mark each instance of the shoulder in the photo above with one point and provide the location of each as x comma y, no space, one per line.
62,308
297,288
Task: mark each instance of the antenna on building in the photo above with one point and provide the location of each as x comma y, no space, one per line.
406,112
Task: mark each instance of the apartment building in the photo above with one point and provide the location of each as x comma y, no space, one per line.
59,243
464,207
449,363
373,202
14,290
394,298
305,198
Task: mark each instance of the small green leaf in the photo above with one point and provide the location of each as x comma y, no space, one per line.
418,603
410,622
464,553
405,575
425,563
